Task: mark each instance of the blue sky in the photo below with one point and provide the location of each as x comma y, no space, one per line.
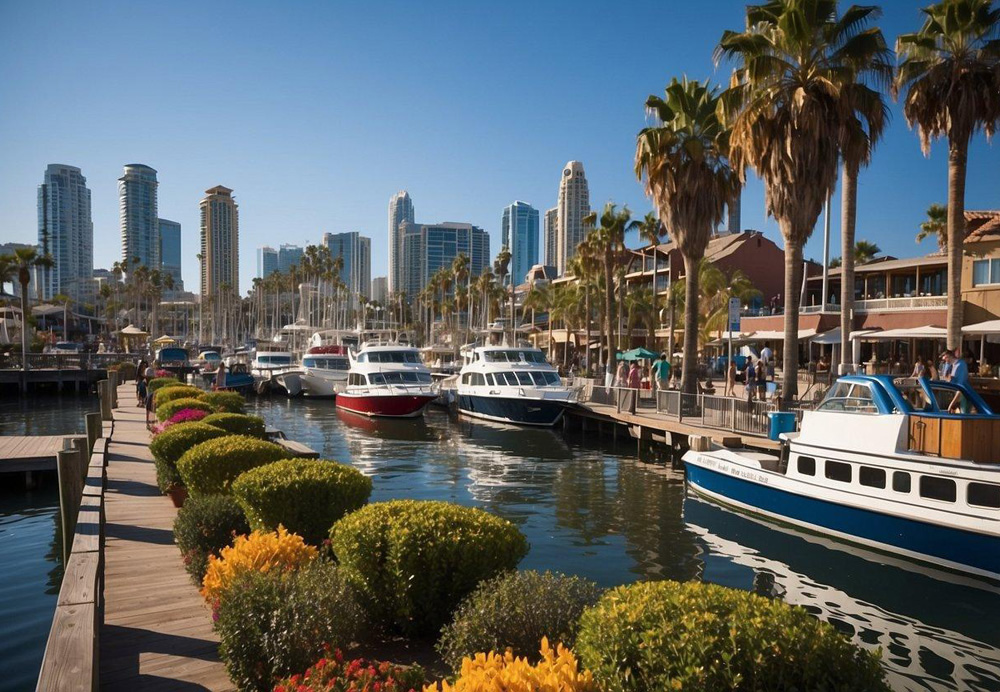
315,113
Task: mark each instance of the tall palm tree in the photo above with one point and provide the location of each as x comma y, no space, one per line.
24,260
501,267
936,226
864,252
950,73
463,278
650,231
683,159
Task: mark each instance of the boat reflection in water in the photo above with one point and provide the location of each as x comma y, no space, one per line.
403,429
920,609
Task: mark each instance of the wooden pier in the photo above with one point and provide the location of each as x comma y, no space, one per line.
29,452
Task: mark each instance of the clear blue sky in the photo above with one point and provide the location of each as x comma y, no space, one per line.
315,113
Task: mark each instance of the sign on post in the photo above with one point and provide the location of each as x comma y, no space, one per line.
734,314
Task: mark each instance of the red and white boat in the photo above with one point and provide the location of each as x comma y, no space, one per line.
387,380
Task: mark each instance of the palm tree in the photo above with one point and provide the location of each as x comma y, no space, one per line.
684,161
65,300
641,307
650,231
24,260
936,226
950,73
501,267
864,252
463,277
8,272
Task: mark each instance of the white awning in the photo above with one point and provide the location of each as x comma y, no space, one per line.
774,335
829,337
928,332
980,328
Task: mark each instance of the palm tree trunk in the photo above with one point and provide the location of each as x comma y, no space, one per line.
586,321
689,378
790,357
609,316
958,151
848,219
23,278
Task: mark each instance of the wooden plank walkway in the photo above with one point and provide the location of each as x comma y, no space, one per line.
29,452
157,632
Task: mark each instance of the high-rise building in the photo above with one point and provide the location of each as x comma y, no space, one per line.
574,205
170,252
356,252
220,241
519,232
66,231
551,235
400,211
267,261
380,290
289,256
140,223
733,217
429,247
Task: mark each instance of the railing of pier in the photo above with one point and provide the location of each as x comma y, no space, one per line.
65,361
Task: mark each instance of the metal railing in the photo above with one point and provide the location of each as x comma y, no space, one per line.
65,361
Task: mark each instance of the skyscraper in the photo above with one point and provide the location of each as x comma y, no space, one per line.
551,234
267,261
380,289
66,231
429,247
400,211
356,252
574,205
733,216
519,232
289,256
139,221
170,251
220,241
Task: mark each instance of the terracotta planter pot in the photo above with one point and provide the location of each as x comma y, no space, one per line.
177,495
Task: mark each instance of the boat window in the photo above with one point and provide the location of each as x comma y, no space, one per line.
934,488
952,400
914,394
807,466
901,481
984,495
478,380
872,477
376,378
837,471
852,397
509,378
539,378
523,378
467,378
489,379
393,357
552,378
534,356
275,360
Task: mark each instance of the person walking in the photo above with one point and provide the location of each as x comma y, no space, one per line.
661,370
764,365
730,389
220,376
750,379
633,383
621,377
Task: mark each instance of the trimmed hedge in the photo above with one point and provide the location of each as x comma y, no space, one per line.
203,527
666,635
414,561
126,371
306,496
237,423
514,612
165,411
210,468
225,402
158,382
171,444
175,391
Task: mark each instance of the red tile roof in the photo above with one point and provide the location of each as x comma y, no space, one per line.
981,226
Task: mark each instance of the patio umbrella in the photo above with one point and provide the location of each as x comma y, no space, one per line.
132,330
164,340
640,354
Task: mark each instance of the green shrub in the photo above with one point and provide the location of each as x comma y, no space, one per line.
237,423
514,611
203,527
126,371
667,635
158,382
225,402
175,391
273,624
210,468
306,496
414,561
165,411
170,445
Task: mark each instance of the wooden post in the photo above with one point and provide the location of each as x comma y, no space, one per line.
113,384
79,443
70,489
94,429
104,391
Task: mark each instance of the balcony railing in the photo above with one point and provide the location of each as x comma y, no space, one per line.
884,304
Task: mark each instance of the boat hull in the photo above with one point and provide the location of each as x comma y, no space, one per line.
517,411
291,382
942,546
317,387
387,406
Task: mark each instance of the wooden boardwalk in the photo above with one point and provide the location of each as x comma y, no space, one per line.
157,632
29,452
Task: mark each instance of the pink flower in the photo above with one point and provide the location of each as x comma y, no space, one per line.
186,415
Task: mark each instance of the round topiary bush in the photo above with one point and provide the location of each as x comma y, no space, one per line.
666,635
414,561
158,382
515,611
175,391
225,402
306,496
203,527
237,424
210,468
171,444
165,411
272,624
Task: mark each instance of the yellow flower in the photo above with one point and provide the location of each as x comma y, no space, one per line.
261,551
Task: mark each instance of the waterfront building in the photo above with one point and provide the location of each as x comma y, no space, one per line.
573,206
519,233
267,261
289,256
380,290
140,223
551,236
220,241
66,230
356,252
170,252
400,211
430,247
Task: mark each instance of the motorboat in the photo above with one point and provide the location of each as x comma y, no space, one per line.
322,374
387,380
175,359
512,385
209,361
903,466
237,379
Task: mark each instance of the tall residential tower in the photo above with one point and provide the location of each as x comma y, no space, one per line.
267,261
170,252
356,252
140,223
551,236
519,232
429,247
220,241
66,231
574,205
400,211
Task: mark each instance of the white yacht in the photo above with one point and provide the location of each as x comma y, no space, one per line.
387,380
322,374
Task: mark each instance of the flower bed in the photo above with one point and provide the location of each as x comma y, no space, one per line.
334,673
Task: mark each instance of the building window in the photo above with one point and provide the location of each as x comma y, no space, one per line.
901,481
871,477
984,495
934,488
986,272
838,471
807,466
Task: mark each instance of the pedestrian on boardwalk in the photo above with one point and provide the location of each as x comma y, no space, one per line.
764,366
140,376
220,376
621,377
661,370
750,379
634,381
730,389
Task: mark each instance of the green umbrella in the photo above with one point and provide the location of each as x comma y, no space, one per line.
640,354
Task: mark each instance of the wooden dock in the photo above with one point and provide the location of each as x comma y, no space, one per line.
29,452
157,631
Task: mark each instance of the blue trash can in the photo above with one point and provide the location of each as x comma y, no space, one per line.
781,422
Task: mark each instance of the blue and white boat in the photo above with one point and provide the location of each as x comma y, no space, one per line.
904,466
511,385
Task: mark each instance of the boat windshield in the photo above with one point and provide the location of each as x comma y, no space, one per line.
852,397
389,357
521,378
952,400
399,378
327,363
274,360
172,354
514,356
